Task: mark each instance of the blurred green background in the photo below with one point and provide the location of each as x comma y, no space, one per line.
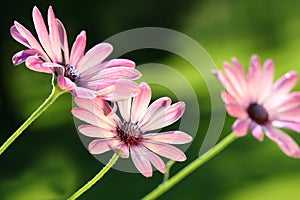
49,161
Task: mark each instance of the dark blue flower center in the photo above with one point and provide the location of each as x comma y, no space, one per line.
129,133
71,72
258,113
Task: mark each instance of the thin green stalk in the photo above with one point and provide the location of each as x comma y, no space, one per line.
56,92
89,184
165,186
167,174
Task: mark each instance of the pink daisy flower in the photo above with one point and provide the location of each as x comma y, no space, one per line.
260,105
84,75
127,136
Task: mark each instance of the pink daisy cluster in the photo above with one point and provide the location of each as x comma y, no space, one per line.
261,106
94,82
84,75
126,135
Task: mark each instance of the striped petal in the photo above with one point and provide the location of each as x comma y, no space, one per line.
140,162
78,49
140,102
170,137
94,131
241,127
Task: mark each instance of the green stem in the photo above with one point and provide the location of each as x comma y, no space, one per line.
56,92
89,184
165,186
167,174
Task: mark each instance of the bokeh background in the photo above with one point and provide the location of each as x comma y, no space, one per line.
49,162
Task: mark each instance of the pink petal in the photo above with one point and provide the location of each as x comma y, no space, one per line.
116,73
157,162
140,162
97,105
94,131
170,137
54,35
284,141
287,102
106,91
228,98
78,48
84,93
140,102
100,108
124,89
165,150
92,118
155,108
254,77
258,133
99,146
124,108
36,64
266,81
235,79
292,115
236,111
63,40
65,83
94,57
95,70
240,127
42,32
170,115
295,126
281,87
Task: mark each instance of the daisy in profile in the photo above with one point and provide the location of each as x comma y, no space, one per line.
126,135
261,106
84,75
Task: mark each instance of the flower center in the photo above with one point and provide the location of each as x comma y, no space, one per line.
258,113
71,72
129,133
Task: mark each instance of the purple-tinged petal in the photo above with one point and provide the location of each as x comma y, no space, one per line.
140,102
284,141
258,133
34,44
165,150
241,127
116,73
236,111
170,115
140,162
83,93
42,32
170,137
94,57
155,108
92,118
78,49
124,108
157,162
96,69
295,126
106,91
21,56
36,64
99,146
65,83
18,37
63,40
54,35
94,131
